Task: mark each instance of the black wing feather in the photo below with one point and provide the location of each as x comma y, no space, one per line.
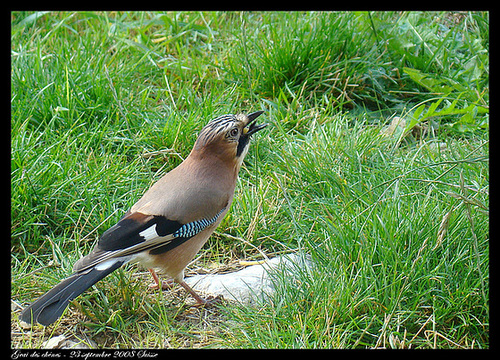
126,232
169,246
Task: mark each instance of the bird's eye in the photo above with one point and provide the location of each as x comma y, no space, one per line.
234,132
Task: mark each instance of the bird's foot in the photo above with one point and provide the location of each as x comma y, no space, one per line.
210,301
163,285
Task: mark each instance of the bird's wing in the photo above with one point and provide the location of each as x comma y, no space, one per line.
136,233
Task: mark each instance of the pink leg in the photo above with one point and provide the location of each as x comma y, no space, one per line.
167,284
198,298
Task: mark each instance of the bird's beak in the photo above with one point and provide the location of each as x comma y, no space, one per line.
252,127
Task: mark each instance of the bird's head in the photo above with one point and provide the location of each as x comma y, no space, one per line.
228,136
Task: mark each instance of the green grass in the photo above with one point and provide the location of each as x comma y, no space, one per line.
398,227
371,219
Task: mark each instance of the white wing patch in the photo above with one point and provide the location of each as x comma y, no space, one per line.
149,233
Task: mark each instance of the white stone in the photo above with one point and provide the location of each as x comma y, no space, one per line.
250,284
61,342
54,343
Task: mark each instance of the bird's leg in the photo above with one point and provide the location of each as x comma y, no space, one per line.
199,300
167,284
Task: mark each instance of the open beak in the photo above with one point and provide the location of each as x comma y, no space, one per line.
252,127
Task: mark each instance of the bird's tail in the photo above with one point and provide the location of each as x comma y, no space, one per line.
50,306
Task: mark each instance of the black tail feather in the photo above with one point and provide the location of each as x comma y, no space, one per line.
50,306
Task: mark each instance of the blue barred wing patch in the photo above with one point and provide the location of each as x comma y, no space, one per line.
193,228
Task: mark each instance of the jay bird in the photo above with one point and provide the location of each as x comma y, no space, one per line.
170,222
